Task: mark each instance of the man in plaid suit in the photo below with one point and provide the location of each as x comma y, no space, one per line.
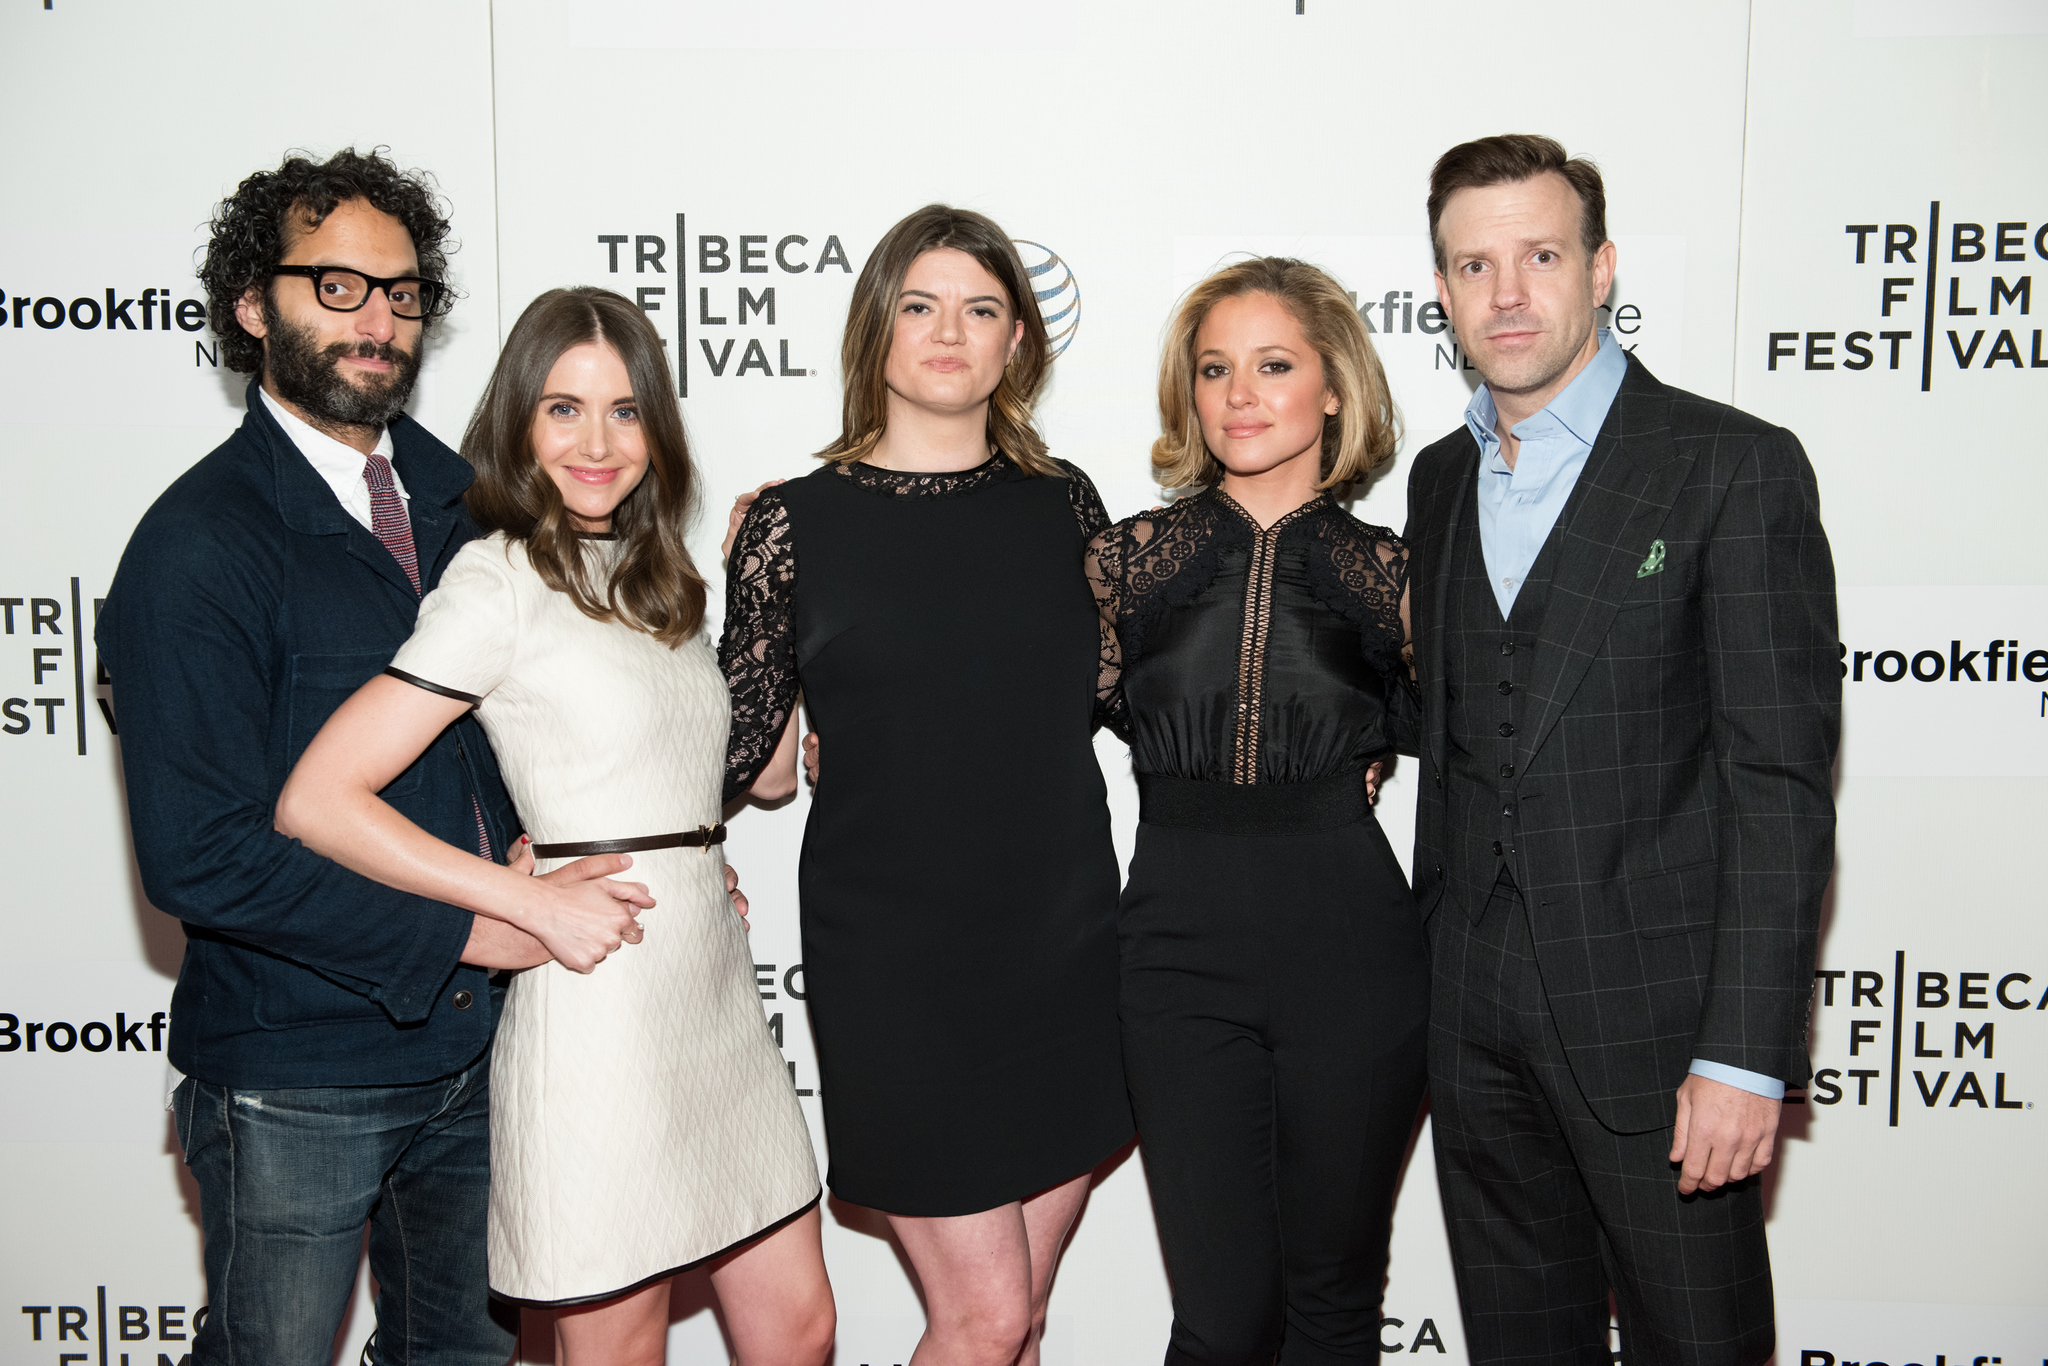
1624,610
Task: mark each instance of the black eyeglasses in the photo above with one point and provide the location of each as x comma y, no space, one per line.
345,290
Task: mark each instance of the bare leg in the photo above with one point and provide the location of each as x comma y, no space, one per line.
976,1272
987,1277
777,1301
1048,1218
631,1330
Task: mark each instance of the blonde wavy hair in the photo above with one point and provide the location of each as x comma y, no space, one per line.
1358,439
871,329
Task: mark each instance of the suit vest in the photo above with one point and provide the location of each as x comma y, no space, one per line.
1488,663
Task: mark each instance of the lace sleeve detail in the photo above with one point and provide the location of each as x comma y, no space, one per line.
1088,509
758,652
1170,556
1360,572
1104,566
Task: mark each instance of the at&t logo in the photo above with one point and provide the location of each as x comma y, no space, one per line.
1057,292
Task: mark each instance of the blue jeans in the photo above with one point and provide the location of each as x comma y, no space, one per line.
287,1179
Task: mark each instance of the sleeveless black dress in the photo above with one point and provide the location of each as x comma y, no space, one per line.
958,883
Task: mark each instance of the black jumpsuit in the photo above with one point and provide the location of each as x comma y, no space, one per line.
958,880
1275,977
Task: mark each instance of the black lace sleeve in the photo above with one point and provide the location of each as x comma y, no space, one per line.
1104,565
1170,556
1360,572
1088,509
757,651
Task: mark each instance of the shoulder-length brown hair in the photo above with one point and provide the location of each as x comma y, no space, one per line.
871,328
1358,438
654,586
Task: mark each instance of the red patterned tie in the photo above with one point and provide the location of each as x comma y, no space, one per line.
388,520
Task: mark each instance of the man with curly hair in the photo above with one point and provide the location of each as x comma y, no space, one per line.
334,1034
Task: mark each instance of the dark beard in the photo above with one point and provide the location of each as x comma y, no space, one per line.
309,376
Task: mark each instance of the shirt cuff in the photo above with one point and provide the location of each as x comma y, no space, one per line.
1768,1087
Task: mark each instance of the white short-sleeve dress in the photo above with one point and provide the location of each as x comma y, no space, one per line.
642,1118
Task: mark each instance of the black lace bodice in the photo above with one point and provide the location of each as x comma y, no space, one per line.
757,650
1235,654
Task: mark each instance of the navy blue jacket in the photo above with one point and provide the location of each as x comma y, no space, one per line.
247,607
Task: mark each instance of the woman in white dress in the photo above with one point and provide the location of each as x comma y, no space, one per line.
642,1120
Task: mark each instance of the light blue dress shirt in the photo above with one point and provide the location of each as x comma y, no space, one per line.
1519,506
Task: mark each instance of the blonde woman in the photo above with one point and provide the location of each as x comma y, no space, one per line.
924,590
1275,981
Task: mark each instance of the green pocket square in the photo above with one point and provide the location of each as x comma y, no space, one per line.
1654,562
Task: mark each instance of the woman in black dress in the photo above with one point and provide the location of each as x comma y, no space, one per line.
924,591
1275,979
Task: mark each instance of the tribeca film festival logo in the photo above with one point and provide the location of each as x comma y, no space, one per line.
735,318
1927,1039
107,1335
109,311
764,983
43,641
1965,290
737,321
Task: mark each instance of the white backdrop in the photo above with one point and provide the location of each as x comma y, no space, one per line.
731,166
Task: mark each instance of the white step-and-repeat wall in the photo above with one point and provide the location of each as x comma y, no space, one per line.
1832,213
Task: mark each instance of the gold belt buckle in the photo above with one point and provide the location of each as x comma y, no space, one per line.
705,832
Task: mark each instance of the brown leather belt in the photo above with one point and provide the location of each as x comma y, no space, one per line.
704,836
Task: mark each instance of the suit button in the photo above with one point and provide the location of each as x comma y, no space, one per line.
1508,811
1506,687
1507,770
1507,647
1496,848
463,1000
1439,778
1437,869
1507,728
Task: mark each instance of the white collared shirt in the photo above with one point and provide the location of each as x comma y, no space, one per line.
340,465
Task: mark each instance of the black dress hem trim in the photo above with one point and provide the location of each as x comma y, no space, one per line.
978,1207
418,682
646,1281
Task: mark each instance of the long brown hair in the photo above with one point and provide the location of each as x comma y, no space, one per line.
1358,439
654,585
871,328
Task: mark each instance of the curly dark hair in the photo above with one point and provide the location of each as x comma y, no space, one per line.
253,228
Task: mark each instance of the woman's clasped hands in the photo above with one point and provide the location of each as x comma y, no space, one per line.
578,911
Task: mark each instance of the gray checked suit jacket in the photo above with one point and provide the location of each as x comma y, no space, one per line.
1675,792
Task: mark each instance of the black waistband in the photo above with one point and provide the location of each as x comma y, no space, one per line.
1254,809
704,836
